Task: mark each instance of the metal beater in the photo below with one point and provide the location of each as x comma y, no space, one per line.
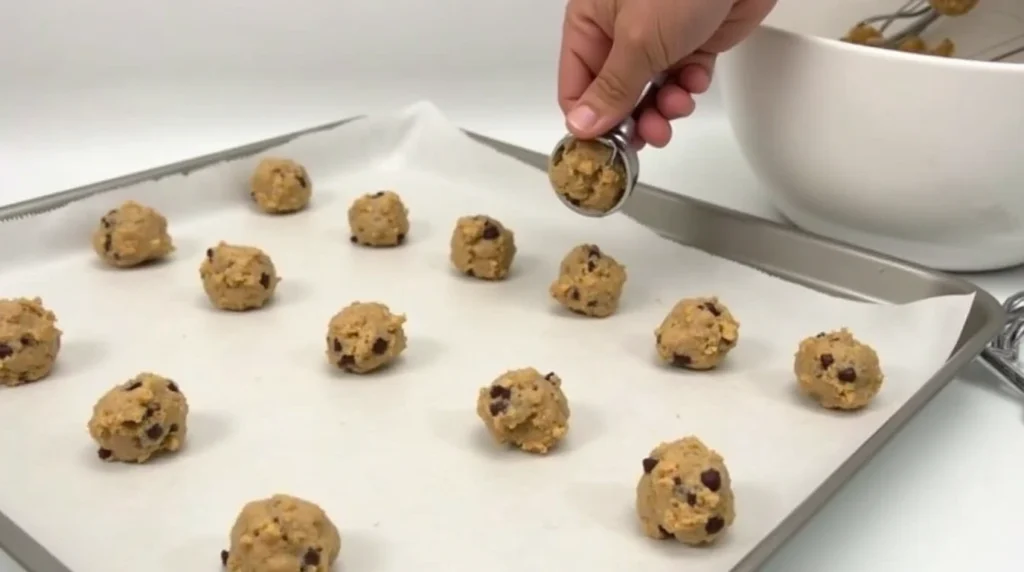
619,140
1003,353
921,14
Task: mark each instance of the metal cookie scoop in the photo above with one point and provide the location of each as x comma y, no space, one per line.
622,160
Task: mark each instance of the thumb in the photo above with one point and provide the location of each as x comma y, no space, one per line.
613,94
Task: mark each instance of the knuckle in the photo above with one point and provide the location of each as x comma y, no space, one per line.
612,87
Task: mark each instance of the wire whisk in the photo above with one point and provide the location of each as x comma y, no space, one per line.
917,16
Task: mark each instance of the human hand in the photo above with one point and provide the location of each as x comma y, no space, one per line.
611,49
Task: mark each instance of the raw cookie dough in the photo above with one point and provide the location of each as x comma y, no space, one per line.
953,7
525,408
581,175
280,186
837,370
378,219
365,336
29,341
139,418
130,235
589,282
238,278
481,247
282,534
697,334
685,492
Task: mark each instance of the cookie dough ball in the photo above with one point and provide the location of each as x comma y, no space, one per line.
685,493
589,282
837,370
238,278
280,186
585,176
378,219
282,534
130,235
365,336
697,334
29,341
481,247
144,416
525,408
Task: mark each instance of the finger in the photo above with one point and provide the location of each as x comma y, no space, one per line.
654,128
637,142
674,102
695,72
613,94
584,50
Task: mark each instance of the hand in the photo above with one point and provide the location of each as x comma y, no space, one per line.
611,49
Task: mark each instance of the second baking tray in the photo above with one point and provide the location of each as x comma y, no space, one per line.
781,251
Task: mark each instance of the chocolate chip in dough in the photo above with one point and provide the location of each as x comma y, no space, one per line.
27,340
550,376
173,428
490,232
107,242
681,360
133,385
377,195
155,432
500,392
711,479
302,181
311,558
6,351
337,345
104,454
574,202
209,254
713,309
470,273
714,525
847,375
346,360
380,346
649,463
224,557
593,251
353,239
498,407
826,360
591,266
401,238
664,533
574,294
172,386
265,280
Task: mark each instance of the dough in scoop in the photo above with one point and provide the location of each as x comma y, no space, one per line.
585,176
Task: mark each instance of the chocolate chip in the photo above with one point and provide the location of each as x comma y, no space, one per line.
209,254
847,375
302,181
715,524
311,558
380,346
820,335
826,360
500,392
265,280
657,338
400,238
172,386
591,266
470,273
173,428
27,340
133,385
107,242
574,294
497,407
592,303
711,479
691,499
346,360
377,195
550,376
6,351
155,432
104,454
664,533
649,464
353,239
491,231
574,202
224,557
337,345
713,309
150,411
106,223
681,360
594,251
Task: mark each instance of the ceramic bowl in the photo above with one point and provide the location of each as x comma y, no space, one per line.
919,157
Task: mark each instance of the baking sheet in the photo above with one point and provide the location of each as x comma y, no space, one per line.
398,459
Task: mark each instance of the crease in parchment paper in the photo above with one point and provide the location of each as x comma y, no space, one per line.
398,459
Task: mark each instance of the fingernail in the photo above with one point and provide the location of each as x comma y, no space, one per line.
581,118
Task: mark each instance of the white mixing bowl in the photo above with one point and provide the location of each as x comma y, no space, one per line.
918,157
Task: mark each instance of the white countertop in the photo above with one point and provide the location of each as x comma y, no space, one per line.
945,494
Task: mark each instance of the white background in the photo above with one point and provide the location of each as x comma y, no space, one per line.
91,90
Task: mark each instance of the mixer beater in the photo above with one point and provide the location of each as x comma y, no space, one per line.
918,16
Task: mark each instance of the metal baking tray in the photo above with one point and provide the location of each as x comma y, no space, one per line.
787,253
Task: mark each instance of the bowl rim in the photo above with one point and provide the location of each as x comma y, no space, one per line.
937,62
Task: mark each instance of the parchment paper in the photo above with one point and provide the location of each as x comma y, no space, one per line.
399,459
